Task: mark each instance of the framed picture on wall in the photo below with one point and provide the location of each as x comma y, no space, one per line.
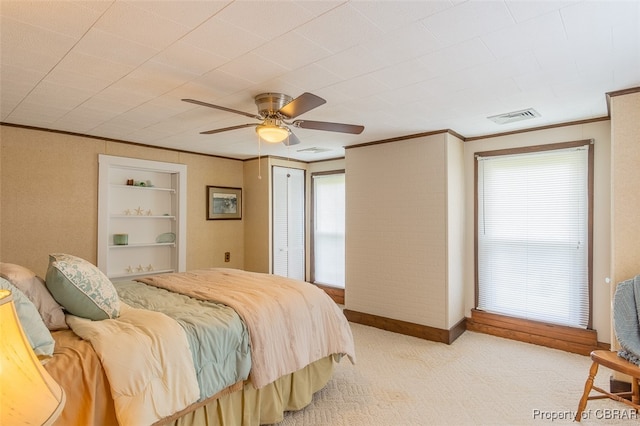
224,203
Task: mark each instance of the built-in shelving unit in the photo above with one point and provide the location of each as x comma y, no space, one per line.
146,201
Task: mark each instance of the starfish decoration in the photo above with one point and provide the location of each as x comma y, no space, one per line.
127,212
150,268
149,213
129,270
140,268
139,211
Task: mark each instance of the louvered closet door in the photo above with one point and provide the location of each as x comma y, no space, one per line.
288,222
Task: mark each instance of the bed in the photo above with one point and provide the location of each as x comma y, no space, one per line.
213,346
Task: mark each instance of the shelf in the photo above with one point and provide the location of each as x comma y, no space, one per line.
116,246
148,188
140,216
147,214
141,274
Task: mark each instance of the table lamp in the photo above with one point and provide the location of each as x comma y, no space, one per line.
28,394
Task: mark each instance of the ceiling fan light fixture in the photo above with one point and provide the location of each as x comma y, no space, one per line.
272,133
274,109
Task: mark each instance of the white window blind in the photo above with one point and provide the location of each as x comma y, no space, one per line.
532,236
328,232
288,222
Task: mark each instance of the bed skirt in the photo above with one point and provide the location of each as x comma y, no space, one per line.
250,406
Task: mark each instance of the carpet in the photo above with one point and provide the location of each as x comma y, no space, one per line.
477,380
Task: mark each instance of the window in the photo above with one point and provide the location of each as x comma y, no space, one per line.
533,233
328,228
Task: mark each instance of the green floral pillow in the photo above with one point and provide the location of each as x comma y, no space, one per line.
81,288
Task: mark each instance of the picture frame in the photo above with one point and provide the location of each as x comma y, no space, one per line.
224,202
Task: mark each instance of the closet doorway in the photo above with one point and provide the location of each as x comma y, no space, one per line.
288,222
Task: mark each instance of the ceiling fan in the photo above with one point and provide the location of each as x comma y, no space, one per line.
275,110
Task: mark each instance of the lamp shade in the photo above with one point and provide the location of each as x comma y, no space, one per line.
272,133
28,394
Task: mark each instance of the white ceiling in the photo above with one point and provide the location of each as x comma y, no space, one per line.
119,69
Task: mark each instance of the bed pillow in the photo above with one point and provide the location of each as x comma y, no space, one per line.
81,288
34,288
37,333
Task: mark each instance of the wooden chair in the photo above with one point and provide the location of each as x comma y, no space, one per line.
611,360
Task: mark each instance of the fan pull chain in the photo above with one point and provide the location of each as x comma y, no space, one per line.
288,148
259,165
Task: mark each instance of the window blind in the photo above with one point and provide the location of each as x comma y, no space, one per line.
532,236
329,232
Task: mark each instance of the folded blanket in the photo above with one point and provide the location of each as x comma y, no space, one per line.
626,319
147,360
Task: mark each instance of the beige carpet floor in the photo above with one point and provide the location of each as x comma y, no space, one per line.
478,380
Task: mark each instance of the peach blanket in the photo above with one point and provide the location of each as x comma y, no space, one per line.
291,323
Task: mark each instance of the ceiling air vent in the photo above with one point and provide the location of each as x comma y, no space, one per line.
514,116
314,150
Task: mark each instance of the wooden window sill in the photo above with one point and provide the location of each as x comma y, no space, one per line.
570,339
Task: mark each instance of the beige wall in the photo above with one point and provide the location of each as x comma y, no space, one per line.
601,133
49,196
625,194
208,240
455,230
257,215
396,230
625,181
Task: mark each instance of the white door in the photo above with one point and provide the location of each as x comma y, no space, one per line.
288,222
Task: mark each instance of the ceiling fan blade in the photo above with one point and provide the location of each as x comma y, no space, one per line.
331,127
235,111
224,129
291,140
301,104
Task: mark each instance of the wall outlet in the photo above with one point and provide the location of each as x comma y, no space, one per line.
227,256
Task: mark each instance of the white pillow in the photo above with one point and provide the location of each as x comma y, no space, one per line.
34,288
